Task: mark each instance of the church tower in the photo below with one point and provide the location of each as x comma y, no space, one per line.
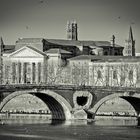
129,49
1,62
72,30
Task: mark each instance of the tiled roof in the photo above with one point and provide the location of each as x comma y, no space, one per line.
80,43
95,58
55,50
68,42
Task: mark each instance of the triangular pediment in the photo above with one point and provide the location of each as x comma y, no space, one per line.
27,52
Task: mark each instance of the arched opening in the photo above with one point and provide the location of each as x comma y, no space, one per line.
57,105
26,103
118,107
128,113
132,101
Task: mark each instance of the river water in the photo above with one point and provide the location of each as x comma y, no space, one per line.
101,129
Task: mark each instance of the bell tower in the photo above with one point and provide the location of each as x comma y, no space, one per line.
1,62
129,49
72,33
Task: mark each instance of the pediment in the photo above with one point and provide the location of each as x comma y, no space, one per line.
26,52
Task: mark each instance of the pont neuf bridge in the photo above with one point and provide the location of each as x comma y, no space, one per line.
82,86
66,102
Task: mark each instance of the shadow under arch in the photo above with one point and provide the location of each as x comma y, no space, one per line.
134,100
59,107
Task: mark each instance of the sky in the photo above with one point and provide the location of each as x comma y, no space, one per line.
97,20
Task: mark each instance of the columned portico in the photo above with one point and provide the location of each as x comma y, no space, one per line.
27,66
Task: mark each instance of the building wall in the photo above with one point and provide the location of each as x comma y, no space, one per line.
76,72
38,44
115,74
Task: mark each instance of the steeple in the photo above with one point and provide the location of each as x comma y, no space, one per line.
129,49
130,34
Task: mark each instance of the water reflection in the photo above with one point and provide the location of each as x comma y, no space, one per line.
101,128
116,121
99,120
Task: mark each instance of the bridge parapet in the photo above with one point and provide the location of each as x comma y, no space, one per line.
16,87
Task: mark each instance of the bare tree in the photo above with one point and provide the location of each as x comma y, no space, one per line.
53,73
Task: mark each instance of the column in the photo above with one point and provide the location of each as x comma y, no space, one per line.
31,74
36,73
21,80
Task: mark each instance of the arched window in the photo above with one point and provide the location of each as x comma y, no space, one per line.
99,75
114,74
130,76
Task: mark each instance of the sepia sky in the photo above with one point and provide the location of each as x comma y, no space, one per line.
97,19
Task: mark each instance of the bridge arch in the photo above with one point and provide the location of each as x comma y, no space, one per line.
133,99
57,104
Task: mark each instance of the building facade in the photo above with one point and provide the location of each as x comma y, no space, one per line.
68,62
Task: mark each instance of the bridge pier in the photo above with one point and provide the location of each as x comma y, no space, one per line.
138,118
138,121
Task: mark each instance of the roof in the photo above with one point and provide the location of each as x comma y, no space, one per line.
80,43
55,50
29,40
9,48
36,50
65,42
102,44
95,58
81,57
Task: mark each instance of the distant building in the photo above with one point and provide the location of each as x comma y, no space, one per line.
71,61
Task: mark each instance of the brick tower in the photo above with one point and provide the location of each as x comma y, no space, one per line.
72,30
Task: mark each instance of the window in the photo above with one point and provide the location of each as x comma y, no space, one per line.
114,74
130,76
99,75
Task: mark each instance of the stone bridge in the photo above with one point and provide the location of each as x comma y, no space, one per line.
68,102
